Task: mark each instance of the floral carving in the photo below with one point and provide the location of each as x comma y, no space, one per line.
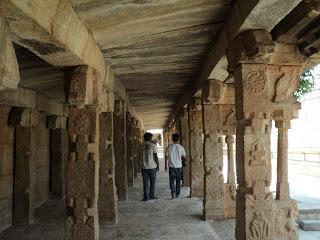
255,82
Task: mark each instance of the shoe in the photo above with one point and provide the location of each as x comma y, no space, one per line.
172,196
177,196
144,199
153,198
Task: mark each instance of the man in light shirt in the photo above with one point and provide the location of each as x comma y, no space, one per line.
175,154
149,167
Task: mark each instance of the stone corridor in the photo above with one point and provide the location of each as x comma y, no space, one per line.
162,219
81,81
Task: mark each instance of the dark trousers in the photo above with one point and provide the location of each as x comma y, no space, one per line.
149,183
175,176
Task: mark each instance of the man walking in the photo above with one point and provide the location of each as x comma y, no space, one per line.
175,155
149,167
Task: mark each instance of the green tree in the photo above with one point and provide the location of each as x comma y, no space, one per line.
306,84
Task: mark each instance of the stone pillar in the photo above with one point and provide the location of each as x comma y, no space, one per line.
196,148
26,153
108,208
266,76
6,168
120,146
129,138
59,145
135,147
184,132
230,152
83,166
214,202
230,186
283,191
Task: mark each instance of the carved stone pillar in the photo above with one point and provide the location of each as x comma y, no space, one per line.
26,158
59,155
230,186
135,147
213,202
129,138
283,191
184,132
196,148
266,75
108,206
120,146
230,152
83,166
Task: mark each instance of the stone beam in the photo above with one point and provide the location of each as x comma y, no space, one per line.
26,98
53,31
254,14
9,69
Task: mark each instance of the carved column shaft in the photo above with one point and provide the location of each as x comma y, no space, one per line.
108,207
120,146
196,148
184,132
266,76
130,165
83,166
214,202
230,150
283,191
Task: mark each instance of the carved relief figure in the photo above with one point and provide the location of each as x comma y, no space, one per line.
283,88
291,225
260,226
258,154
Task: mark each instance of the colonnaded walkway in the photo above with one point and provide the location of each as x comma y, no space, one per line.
162,219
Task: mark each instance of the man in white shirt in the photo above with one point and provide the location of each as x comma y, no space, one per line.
175,155
149,167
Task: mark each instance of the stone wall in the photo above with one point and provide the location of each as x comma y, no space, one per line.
6,168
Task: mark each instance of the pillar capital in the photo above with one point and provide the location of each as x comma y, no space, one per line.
253,46
56,122
83,86
24,117
119,107
211,92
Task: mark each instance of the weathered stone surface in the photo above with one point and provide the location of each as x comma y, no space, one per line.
185,141
59,158
82,191
24,117
9,70
107,204
53,31
6,168
129,138
196,148
120,149
56,122
25,177
265,80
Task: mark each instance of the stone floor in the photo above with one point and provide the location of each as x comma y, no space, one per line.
161,219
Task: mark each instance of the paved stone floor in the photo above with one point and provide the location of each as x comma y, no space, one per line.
161,219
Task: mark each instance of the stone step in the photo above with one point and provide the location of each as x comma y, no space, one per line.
309,214
309,225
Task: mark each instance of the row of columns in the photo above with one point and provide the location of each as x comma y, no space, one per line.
103,158
266,74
